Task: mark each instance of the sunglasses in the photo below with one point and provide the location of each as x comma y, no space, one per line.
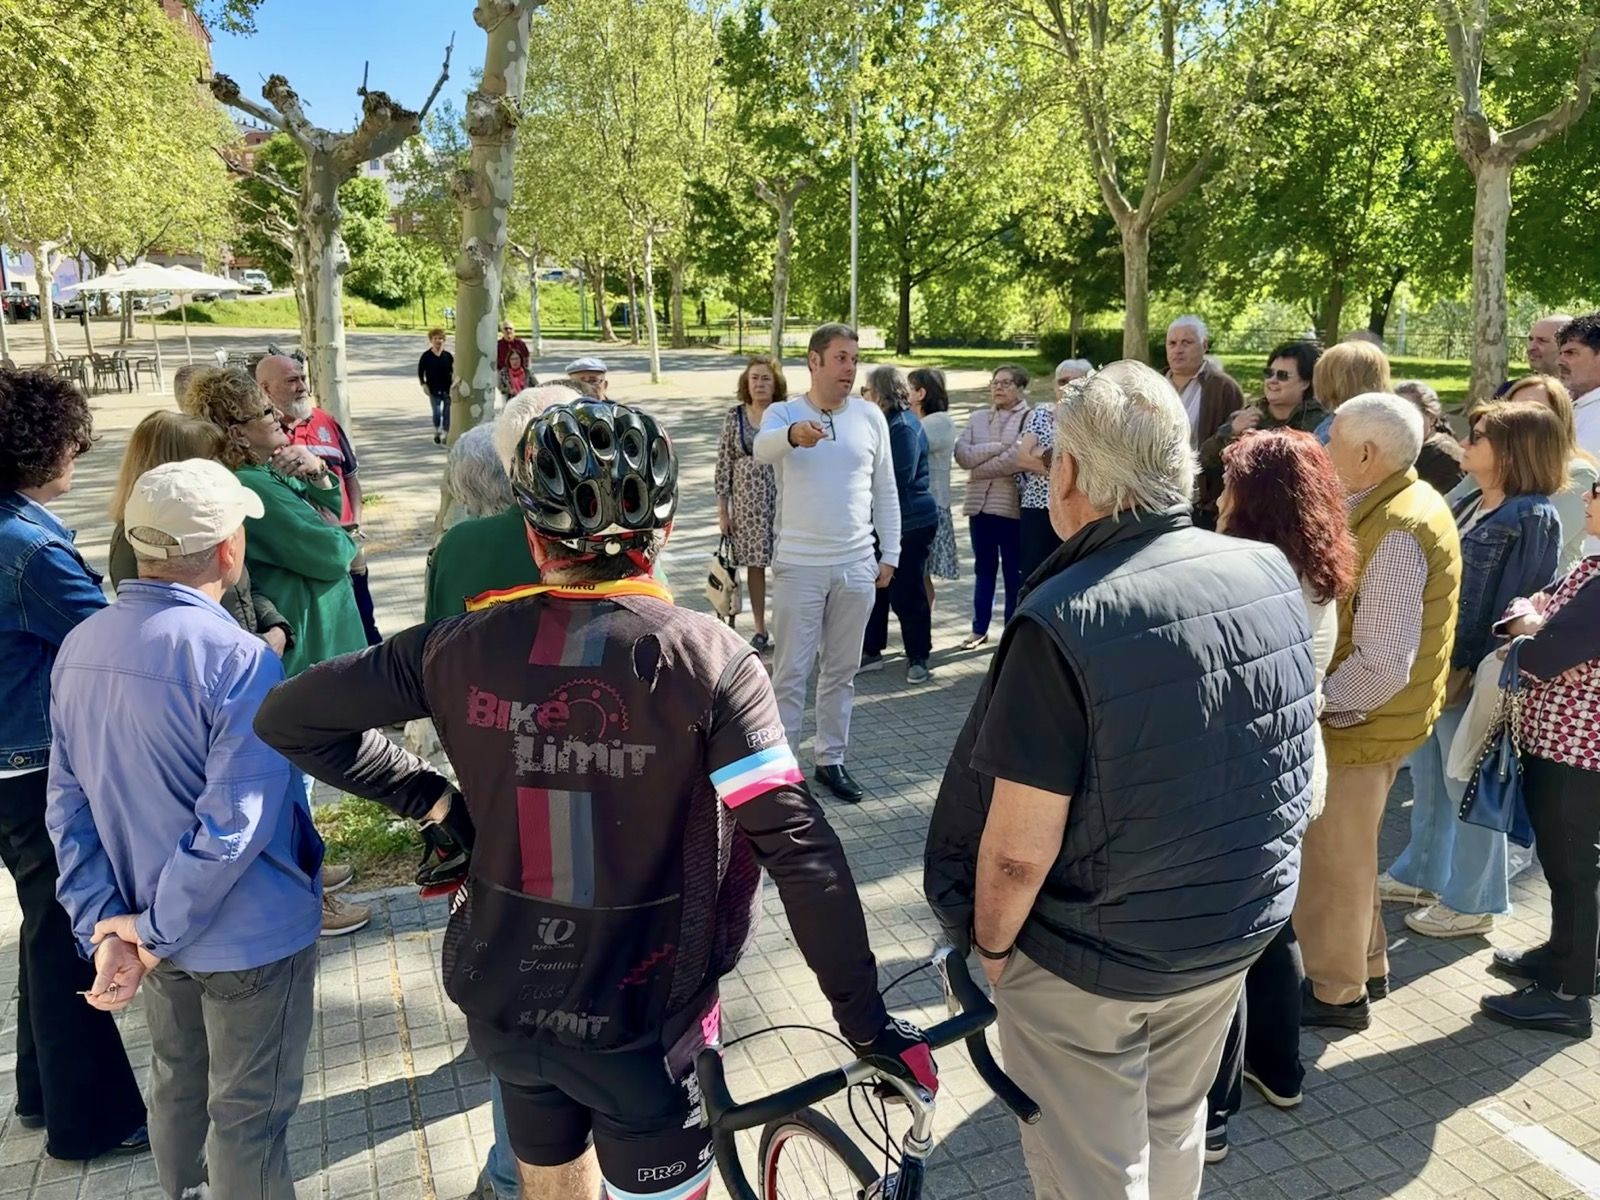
1280,376
1594,490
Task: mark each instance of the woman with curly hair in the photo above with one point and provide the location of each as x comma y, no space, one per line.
73,1077
297,552
1279,487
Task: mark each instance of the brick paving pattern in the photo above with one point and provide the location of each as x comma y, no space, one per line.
1431,1101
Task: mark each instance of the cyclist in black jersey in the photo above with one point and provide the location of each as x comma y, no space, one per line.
624,777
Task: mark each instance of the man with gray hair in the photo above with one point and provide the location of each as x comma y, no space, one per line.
188,859
1544,344
1384,688
1118,830
1209,395
283,378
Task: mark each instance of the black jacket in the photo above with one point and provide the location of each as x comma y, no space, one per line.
628,778
1192,653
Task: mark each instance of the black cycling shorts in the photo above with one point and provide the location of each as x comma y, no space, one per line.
639,1108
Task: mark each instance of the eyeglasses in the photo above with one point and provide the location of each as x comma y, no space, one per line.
1280,376
268,413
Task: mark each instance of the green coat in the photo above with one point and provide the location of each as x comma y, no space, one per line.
303,563
484,554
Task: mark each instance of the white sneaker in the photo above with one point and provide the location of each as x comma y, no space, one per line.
1442,921
1390,888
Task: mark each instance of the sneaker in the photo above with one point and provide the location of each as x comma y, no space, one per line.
1535,1007
438,438
1390,888
1442,921
918,673
1217,1143
340,917
336,876
870,662
1276,1099
761,642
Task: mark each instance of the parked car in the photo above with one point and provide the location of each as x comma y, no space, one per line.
259,284
20,305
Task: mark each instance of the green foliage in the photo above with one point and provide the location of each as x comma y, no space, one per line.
108,143
379,845
423,170
265,213
384,268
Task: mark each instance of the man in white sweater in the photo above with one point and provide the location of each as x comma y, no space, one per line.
835,487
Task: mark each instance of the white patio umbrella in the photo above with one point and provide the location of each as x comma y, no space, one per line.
141,277
199,281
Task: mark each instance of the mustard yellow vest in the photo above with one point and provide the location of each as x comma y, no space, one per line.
1400,726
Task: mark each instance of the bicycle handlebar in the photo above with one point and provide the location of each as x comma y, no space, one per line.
726,1117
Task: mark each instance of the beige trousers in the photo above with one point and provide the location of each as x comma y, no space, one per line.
1121,1084
1338,918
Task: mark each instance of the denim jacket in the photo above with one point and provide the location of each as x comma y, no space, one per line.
1511,552
45,590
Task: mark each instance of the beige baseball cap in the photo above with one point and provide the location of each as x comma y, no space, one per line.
197,503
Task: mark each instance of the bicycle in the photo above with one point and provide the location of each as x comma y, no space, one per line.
805,1153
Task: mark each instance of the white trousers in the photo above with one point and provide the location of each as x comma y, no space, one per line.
819,615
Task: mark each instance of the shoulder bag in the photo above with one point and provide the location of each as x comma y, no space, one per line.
1494,797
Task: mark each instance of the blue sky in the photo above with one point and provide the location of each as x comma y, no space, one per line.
320,45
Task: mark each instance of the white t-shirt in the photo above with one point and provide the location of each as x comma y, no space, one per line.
1586,408
832,496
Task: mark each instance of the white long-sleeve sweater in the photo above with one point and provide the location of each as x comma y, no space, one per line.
832,496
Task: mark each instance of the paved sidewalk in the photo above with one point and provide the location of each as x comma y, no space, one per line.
1431,1101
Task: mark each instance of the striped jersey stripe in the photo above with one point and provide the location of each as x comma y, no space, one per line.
556,831
756,774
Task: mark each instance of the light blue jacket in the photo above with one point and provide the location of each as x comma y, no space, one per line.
162,801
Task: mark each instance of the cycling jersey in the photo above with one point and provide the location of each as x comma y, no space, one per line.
627,775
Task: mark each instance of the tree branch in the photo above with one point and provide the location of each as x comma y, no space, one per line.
1161,128
286,100
1175,195
267,176
227,91
1534,133
1093,118
444,74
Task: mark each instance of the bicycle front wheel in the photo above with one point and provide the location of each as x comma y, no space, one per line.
806,1156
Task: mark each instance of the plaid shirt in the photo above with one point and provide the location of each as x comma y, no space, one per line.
1385,631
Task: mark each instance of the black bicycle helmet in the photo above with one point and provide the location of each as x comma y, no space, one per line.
594,474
